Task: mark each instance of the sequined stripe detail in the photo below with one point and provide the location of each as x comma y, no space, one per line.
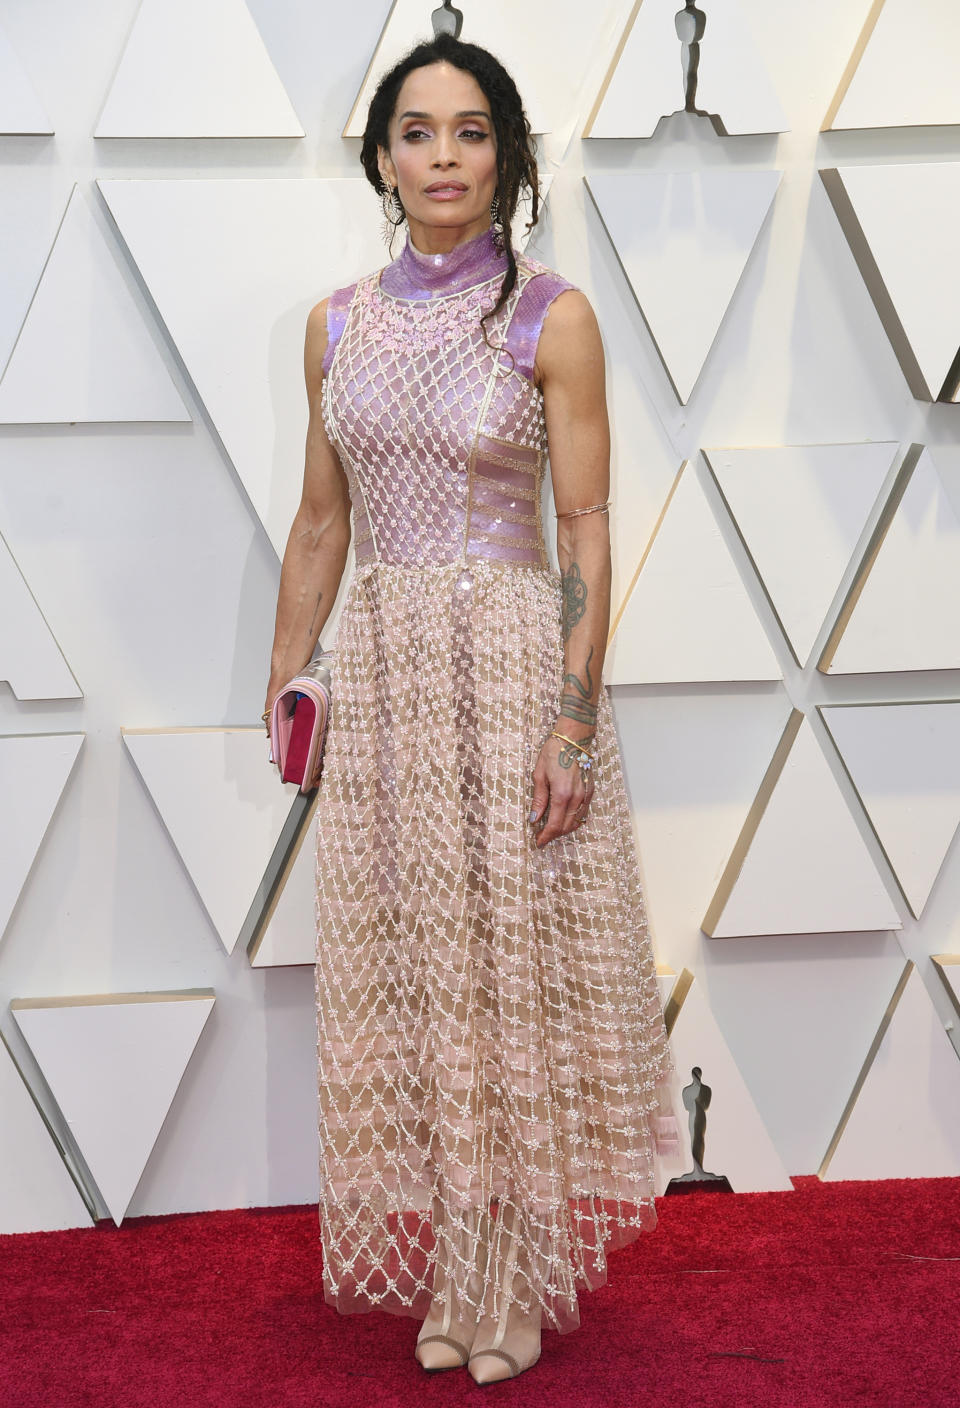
519,491
493,535
505,460
508,452
524,490
363,545
508,515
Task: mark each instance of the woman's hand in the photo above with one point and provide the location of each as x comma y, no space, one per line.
273,689
561,789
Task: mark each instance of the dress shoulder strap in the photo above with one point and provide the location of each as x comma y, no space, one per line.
338,306
542,286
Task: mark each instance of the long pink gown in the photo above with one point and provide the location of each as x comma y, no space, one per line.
493,1061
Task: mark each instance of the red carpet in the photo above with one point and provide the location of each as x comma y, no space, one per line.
836,1294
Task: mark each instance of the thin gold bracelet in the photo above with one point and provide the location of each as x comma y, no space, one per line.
578,512
572,742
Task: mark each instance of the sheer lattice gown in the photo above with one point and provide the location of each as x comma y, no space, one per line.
493,1062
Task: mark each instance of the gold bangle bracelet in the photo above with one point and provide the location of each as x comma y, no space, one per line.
577,512
572,742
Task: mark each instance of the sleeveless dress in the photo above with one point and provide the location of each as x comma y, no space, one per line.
490,1032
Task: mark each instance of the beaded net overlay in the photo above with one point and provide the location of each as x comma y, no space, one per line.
493,1061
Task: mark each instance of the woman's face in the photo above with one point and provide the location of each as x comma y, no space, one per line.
443,156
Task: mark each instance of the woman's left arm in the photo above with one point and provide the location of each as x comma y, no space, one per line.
570,372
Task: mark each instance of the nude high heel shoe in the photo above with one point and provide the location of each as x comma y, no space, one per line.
436,1348
440,1350
491,1362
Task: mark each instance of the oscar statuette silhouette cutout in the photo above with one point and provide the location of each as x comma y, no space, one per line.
690,22
447,20
696,1100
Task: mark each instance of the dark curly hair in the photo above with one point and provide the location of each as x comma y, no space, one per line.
516,154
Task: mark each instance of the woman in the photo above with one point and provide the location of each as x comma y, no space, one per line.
493,1061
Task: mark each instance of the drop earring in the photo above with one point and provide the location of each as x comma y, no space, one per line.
393,215
496,221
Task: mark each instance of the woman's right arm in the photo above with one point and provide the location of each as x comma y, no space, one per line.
316,550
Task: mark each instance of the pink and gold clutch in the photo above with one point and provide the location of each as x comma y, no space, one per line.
298,723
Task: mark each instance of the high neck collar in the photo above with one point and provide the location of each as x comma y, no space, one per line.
416,275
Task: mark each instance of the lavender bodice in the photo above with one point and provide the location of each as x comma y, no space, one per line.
442,436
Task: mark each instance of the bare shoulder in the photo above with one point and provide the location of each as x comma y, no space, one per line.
317,321
571,312
315,344
570,336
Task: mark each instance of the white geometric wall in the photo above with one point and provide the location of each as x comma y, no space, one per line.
778,310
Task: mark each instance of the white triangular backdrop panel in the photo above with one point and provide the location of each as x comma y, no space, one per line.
737,1143
262,253
113,1065
684,239
688,616
36,1191
907,74
807,869
907,616
84,352
910,218
904,760
31,661
646,81
196,68
800,510
33,773
21,111
905,1121
223,806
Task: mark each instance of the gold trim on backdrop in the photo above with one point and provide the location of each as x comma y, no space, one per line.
678,996
645,554
754,816
881,1032
875,543
370,68
296,828
941,962
617,54
853,63
105,999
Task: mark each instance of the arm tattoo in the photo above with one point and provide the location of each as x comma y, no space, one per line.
567,756
584,690
571,708
574,598
579,706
